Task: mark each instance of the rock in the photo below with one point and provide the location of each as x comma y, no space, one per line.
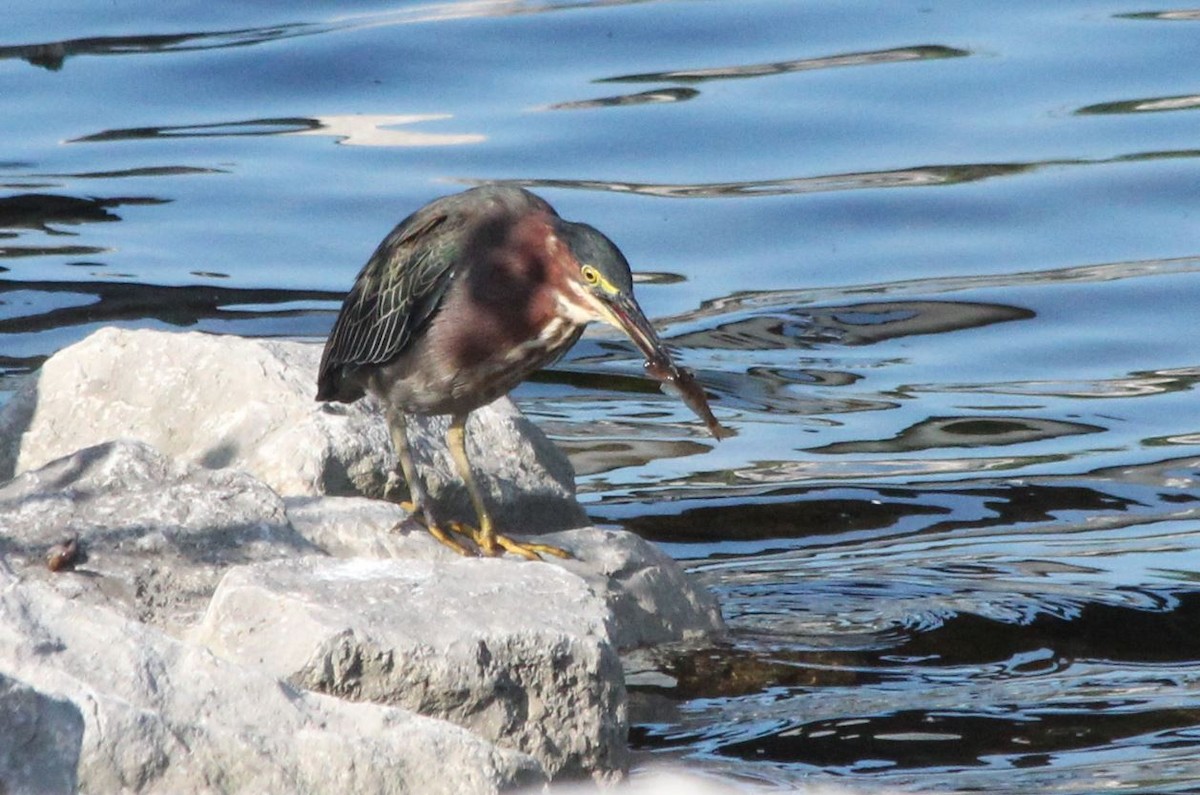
213,401
229,402
348,527
157,534
522,654
15,417
40,738
519,653
648,598
529,484
328,622
161,716
401,621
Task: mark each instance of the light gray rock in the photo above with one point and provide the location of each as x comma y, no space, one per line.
161,716
210,400
519,653
223,401
40,737
522,653
648,598
352,527
157,533
529,484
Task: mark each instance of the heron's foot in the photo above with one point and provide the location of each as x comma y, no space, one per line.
526,549
449,540
444,535
493,543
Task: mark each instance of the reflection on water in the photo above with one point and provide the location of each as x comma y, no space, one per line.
1157,104
44,212
766,325
1182,15
640,98
351,130
52,55
897,55
903,178
923,176
39,211
940,432
805,512
1015,624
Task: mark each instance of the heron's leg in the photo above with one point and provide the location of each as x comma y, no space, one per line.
416,489
489,541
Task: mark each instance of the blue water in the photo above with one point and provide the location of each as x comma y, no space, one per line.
936,262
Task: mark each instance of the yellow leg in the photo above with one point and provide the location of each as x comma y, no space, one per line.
416,490
488,540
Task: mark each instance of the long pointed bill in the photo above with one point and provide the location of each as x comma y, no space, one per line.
626,315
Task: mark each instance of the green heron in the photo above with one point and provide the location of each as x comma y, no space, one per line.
463,300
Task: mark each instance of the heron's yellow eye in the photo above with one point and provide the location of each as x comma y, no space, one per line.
590,275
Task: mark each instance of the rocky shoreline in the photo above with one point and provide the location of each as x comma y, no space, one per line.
243,617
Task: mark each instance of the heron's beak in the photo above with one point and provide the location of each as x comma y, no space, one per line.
624,313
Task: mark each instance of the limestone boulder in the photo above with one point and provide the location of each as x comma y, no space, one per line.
325,594
40,738
162,716
519,653
230,402
648,598
233,616
154,534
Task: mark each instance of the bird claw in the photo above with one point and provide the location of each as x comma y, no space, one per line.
530,550
414,513
452,542
485,544
494,544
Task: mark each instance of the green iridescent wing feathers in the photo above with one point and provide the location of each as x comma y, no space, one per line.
401,287
393,297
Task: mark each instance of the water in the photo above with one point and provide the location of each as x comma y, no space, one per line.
937,263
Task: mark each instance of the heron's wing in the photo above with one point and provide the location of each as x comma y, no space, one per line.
394,296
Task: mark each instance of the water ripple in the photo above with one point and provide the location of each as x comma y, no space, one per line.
893,55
